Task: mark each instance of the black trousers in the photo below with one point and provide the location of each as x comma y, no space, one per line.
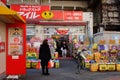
44,65
79,65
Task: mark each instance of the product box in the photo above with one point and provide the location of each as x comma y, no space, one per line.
102,67
118,67
34,63
57,64
28,64
94,67
111,67
87,65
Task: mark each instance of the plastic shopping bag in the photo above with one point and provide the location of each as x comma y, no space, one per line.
38,66
50,64
83,56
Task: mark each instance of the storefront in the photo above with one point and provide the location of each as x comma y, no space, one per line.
10,20
42,21
55,24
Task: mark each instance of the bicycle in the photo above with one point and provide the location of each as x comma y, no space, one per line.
80,59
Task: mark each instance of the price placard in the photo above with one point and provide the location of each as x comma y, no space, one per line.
101,41
119,41
112,42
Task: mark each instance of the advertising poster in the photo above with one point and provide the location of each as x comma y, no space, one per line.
15,43
2,47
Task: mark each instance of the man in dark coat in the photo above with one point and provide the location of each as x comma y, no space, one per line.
45,56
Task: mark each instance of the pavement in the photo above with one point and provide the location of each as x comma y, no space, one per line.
67,71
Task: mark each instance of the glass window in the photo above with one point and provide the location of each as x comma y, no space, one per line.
30,33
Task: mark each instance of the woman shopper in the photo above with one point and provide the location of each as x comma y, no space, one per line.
44,56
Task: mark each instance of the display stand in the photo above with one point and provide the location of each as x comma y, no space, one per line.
108,44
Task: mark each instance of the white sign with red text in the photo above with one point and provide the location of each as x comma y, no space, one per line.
73,15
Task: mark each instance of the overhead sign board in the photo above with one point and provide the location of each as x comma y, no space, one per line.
37,13
30,12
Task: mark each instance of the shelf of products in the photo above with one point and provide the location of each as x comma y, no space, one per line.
107,54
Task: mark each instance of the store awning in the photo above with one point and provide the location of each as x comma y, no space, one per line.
9,16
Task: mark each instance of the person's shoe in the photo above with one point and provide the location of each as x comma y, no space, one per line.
47,73
43,74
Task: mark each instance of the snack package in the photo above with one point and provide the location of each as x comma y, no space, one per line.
101,47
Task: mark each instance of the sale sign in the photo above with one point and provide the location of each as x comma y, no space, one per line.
73,15
30,12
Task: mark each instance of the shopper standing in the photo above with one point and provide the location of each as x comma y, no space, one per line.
64,48
45,56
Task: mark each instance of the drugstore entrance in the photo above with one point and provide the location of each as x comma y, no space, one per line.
64,33
59,39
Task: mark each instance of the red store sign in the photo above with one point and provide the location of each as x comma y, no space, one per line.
73,15
58,15
31,12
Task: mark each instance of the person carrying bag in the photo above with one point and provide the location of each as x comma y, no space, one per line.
44,56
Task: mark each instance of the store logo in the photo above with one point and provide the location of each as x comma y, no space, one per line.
29,15
47,14
62,31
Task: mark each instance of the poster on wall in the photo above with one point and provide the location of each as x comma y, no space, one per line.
2,47
15,43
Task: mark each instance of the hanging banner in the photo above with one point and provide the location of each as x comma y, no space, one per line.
73,15
32,13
